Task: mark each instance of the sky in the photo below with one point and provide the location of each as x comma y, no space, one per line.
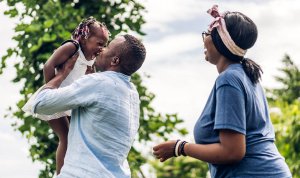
180,77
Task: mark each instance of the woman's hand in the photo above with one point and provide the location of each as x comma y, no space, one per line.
164,150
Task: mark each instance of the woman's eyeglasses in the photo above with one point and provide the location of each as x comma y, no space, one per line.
205,34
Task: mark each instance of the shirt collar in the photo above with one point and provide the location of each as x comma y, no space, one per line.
123,76
234,65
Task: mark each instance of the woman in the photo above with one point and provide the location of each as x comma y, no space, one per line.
234,133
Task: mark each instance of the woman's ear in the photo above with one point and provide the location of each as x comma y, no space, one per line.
115,61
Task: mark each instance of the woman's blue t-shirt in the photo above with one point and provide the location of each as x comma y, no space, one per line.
237,104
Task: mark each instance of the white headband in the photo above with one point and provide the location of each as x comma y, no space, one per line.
220,24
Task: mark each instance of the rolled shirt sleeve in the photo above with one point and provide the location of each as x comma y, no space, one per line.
50,101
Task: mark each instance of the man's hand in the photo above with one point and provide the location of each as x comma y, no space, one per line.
66,67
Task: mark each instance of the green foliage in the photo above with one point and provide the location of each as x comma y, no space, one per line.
287,126
42,27
156,124
285,105
152,124
181,167
290,81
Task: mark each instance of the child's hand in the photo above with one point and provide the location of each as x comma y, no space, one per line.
66,67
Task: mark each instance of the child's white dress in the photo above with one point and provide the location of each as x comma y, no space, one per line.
79,70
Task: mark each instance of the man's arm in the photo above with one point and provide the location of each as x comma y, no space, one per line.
52,100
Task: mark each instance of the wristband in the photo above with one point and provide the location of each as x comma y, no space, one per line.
176,148
181,148
174,153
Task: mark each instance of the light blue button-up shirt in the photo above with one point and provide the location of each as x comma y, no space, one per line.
105,120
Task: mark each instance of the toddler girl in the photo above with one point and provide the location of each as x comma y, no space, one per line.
88,39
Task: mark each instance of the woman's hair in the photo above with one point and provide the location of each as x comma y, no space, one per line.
85,28
243,32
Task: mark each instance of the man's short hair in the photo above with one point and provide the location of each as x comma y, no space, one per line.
132,55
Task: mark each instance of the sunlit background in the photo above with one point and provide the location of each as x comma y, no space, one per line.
180,77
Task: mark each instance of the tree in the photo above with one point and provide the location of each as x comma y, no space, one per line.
287,125
285,114
153,124
290,81
42,26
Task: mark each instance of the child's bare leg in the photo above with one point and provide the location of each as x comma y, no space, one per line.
60,127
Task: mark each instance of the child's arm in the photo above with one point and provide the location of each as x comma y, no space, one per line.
59,57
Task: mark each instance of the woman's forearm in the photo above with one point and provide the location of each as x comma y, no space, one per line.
231,149
212,153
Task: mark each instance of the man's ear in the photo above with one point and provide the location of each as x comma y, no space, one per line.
115,61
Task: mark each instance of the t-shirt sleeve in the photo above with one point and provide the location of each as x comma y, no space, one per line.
230,109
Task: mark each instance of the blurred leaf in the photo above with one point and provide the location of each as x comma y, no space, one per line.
48,23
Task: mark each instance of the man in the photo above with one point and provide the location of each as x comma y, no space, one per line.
105,111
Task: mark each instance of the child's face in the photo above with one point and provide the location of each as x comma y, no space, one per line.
95,42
